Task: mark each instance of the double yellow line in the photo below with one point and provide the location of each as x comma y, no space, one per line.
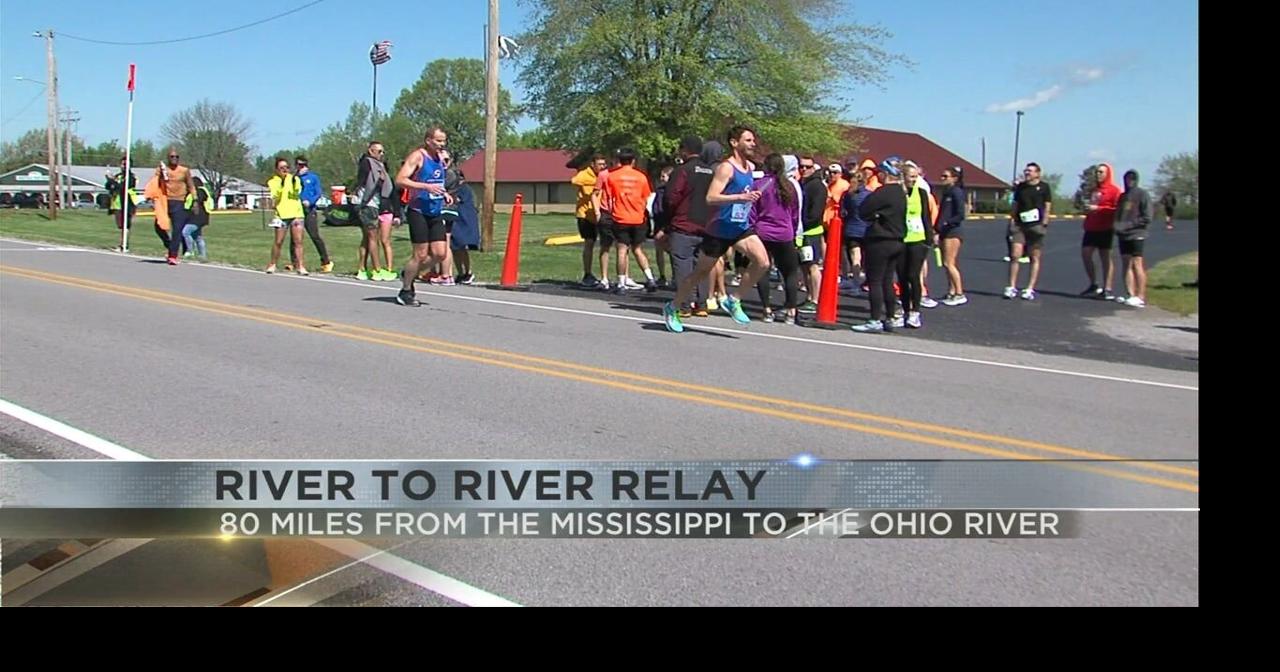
980,443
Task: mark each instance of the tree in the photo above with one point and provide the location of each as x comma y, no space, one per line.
335,152
450,92
106,153
619,72
1087,185
534,138
1055,182
1180,174
400,136
264,166
144,153
109,153
212,137
32,147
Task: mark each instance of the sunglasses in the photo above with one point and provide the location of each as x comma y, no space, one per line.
804,167
174,156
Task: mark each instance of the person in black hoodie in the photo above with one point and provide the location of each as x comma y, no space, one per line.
885,212
1133,216
951,214
814,192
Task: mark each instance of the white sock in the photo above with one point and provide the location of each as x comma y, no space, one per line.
648,273
622,281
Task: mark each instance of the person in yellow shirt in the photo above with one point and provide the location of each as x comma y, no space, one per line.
286,193
585,181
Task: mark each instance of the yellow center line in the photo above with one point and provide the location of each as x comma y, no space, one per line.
733,394
337,329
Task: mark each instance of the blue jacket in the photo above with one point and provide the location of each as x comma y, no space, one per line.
311,189
854,225
466,228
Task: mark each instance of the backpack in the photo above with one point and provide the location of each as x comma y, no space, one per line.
661,217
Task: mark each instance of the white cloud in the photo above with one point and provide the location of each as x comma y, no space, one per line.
1080,76
1087,75
1037,100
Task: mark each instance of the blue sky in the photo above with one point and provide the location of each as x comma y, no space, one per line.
1116,81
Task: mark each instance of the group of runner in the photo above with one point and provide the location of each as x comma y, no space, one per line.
771,214
769,218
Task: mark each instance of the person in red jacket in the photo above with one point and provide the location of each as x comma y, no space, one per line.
1099,233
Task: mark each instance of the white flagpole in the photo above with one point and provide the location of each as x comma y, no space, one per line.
128,149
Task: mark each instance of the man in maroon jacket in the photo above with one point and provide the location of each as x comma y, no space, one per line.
687,202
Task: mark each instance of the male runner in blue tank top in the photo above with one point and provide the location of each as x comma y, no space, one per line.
731,193
423,174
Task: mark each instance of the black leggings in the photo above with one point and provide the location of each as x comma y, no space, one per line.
787,258
909,275
312,220
882,260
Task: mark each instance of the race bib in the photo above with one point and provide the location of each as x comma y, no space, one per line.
739,213
435,197
806,254
915,225
1030,216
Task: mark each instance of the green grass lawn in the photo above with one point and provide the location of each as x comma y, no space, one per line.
244,240
1164,284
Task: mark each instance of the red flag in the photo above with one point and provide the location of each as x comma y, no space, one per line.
132,71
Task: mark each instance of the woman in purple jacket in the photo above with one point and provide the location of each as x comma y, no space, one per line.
775,217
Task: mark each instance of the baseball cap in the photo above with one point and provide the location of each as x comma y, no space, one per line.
892,166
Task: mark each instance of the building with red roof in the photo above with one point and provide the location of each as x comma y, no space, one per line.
543,175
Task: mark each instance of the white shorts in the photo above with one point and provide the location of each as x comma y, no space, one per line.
277,223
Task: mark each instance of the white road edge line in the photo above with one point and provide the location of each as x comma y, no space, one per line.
417,574
394,565
327,574
96,444
810,526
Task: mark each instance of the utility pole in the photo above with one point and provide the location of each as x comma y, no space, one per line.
490,128
50,125
58,136
1017,136
67,118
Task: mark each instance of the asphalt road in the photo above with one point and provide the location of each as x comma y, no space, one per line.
206,362
1055,323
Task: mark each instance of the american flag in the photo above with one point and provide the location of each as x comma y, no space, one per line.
380,52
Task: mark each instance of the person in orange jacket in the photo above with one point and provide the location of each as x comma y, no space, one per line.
870,174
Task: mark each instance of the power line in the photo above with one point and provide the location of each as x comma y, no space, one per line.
194,37
24,107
